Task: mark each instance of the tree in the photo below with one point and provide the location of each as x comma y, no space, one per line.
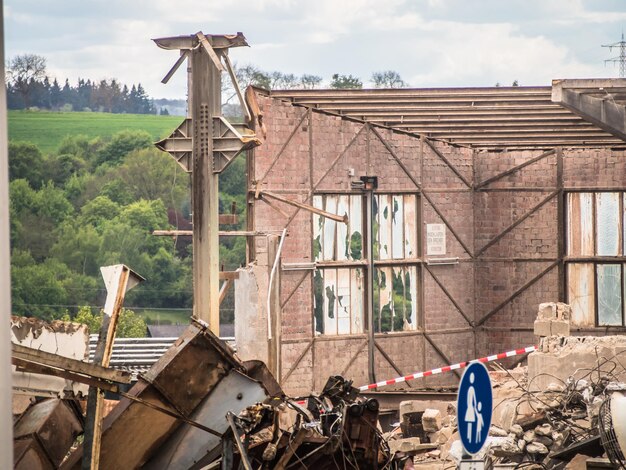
129,325
122,144
25,70
388,79
26,161
309,82
345,82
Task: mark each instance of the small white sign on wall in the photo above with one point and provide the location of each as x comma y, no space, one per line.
435,239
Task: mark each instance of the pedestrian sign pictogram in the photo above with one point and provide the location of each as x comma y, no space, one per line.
474,406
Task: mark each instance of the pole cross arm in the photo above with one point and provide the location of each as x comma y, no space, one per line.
217,41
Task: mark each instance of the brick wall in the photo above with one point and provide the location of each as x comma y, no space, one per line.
312,151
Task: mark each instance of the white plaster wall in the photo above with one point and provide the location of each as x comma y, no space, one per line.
63,338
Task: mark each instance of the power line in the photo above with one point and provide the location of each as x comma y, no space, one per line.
622,55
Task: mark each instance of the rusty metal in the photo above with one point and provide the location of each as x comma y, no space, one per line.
53,424
300,205
177,385
205,144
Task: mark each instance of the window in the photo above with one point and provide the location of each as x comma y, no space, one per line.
595,258
341,275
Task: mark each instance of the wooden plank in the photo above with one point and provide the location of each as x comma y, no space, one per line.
295,289
353,358
44,358
27,366
221,233
224,289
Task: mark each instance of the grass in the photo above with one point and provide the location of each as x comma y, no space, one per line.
46,129
163,316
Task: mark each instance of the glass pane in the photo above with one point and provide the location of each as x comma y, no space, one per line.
581,293
410,229
384,223
609,294
343,301
580,224
342,229
356,299
607,224
318,228
356,227
330,301
318,301
397,227
328,240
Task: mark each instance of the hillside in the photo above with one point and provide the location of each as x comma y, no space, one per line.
46,129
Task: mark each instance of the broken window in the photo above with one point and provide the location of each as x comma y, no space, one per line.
595,237
340,255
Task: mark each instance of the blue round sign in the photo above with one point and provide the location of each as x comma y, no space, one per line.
474,406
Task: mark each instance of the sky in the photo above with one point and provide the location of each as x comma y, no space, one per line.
430,43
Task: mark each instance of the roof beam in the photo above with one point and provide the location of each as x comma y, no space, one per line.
603,112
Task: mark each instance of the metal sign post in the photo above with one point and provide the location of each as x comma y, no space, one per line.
474,408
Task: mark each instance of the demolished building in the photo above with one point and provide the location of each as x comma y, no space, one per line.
488,202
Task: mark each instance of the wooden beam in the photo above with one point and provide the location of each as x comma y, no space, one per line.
498,237
469,321
296,363
514,169
448,164
443,356
390,361
189,233
224,289
395,156
35,356
516,294
447,224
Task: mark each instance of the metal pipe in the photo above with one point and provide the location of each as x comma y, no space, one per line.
370,285
269,286
6,418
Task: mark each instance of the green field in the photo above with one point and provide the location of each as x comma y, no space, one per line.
46,129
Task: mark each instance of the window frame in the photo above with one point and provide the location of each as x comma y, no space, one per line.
405,263
595,259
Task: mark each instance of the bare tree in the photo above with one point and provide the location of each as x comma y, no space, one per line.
25,70
388,79
308,82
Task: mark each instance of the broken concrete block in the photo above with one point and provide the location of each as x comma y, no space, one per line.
506,448
517,430
408,444
442,436
431,420
529,436
497,432
544,429
563,311
536,448
559,328
434,454
521,443
547,311
546,441
541,328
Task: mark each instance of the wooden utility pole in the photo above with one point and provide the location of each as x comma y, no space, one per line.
204,145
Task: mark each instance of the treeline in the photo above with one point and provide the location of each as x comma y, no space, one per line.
28,86
93,203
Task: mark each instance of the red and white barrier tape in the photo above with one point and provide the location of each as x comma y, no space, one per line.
440,370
